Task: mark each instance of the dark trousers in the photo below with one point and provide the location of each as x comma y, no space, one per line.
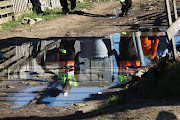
126,5
36,6
64,4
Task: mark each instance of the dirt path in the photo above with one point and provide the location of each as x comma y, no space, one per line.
95,22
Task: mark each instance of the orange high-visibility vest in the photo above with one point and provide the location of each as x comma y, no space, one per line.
68,63
130,63
123,64
149,48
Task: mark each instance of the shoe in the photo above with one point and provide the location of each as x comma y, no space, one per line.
122,14
128,12
66,11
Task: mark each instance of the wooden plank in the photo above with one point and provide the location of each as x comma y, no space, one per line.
173,29
55,3
20,6
168,12
5,19
5,3
7,62
6,10
175,9
30,5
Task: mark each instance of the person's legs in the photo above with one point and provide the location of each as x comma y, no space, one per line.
123,8
128,6
64,5
73,4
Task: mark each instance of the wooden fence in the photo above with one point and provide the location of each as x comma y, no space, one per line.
55,3
174,26
9,8
6,11
20,6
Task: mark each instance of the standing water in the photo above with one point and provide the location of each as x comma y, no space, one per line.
78,68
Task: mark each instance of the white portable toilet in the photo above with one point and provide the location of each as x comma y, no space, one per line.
94,49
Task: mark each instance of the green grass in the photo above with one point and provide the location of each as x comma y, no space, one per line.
10,24
114,100
102,118
84,5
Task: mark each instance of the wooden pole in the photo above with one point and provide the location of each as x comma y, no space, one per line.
171,41
175,9
168,12
139,48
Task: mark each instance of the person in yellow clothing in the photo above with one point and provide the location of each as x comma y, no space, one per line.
149,47
66,59
67,80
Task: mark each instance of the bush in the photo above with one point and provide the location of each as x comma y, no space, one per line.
161,81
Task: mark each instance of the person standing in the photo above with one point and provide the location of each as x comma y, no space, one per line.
126,5
64,4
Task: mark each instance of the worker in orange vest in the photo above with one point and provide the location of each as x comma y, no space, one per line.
66,58
149,47
127,57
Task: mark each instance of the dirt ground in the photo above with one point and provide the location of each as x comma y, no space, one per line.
94,22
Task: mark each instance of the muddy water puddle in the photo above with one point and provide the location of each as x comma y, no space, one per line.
75,95
79,67
23,98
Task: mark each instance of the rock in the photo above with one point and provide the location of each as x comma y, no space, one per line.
99,93
79,104
140,72
31,21
101,86
32,83
150,9
38,19
21,82
80,1
25,20
84,10
9,86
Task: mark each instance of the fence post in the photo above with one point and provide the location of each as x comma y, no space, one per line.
139,48
175,9
171,41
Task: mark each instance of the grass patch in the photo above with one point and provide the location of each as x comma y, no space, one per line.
10,24
84,5
102,118
114,100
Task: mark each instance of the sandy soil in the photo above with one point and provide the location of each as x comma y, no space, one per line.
94,22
